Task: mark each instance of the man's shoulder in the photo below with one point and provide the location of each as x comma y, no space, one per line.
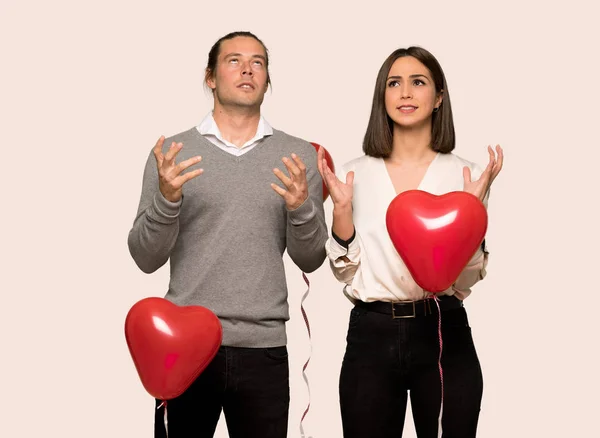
186,136
293,141
190,138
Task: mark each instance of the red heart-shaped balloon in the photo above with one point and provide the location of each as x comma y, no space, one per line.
436,236
171,345
329,160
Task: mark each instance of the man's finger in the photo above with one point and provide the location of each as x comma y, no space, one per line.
185,164
291,167
182,179
283,178
278,190
299,162
172,152
158,150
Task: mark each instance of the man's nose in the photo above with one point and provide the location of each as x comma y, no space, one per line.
246,70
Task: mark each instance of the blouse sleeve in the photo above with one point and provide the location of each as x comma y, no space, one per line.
344,257
476,269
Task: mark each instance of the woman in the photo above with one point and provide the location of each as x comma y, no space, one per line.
393,342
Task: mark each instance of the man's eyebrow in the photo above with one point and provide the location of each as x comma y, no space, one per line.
229,55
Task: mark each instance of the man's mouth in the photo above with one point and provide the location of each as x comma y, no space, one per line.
246,86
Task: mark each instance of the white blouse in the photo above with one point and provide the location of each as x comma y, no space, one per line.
376,270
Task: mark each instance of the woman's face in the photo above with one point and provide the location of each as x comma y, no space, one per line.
410,95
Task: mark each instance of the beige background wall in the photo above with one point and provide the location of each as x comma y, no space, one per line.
87,87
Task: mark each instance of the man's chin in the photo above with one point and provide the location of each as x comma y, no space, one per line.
248,104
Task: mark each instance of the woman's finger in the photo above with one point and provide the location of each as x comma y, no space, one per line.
320,163
350,178
492,161
330,177
499,162
467,174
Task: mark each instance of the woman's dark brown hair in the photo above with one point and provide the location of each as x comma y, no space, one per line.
213,54
378,138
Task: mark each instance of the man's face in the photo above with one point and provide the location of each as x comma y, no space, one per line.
240,77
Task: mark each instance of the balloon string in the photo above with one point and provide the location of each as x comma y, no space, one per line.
164,404
302,435
436,300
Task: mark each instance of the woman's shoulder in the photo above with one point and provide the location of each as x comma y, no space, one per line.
358,164
453,159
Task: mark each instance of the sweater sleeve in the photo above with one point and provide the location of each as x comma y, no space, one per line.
156,226
306,227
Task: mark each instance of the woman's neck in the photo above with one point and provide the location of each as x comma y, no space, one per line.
411,146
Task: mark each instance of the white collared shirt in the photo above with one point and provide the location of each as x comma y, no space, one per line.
376,270
209,129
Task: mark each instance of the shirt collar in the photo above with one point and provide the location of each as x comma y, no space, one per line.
208,126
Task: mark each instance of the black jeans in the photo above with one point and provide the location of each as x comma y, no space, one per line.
250,385
386,359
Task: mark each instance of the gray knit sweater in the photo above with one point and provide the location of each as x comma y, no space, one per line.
225,238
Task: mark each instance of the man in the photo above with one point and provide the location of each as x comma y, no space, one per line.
224,228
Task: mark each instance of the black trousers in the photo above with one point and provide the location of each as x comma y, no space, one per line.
387,360
250,386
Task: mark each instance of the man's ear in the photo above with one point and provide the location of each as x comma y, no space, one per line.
209,79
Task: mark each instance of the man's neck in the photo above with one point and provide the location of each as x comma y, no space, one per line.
237,126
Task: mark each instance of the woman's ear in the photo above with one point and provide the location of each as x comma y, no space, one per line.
438,100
